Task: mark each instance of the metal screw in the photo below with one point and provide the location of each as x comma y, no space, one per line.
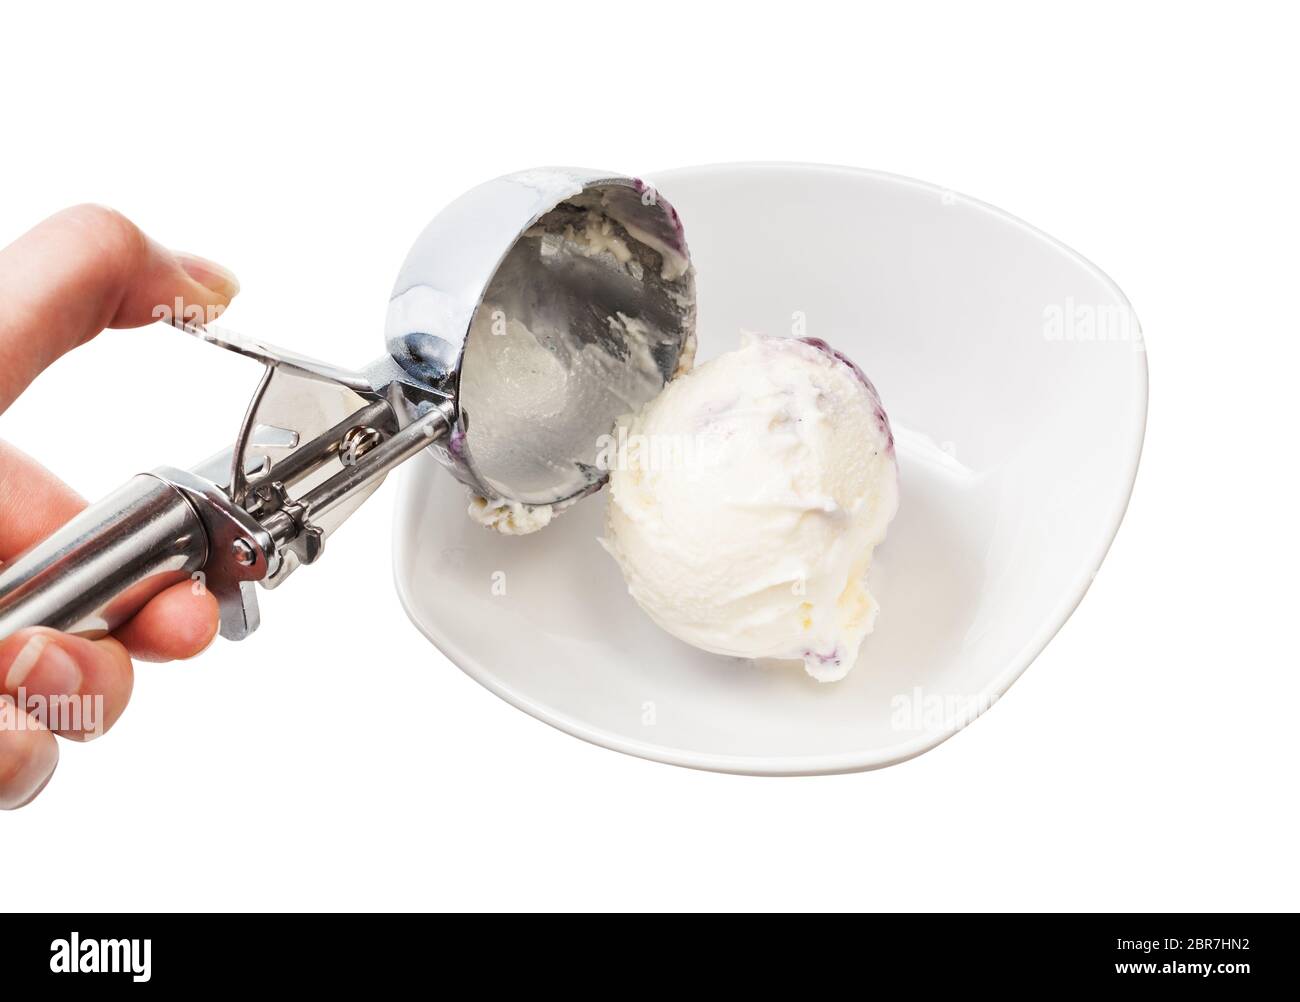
244,553
356,442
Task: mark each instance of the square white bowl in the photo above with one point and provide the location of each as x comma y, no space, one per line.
1014,374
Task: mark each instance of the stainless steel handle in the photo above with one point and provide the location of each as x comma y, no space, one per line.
102,567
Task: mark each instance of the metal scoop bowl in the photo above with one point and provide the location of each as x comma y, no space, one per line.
529,315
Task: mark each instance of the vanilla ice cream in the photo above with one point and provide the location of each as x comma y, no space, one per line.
747,498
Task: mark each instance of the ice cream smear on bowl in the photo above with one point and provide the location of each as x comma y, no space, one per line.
746,501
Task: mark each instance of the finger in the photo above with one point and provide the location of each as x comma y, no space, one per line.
177,624
80,271
28,755
82,686
33,502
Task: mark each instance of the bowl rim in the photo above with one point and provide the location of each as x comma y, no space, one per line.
843,762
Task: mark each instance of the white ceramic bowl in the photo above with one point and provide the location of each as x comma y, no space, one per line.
1015,377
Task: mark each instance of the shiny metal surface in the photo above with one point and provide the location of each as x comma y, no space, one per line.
286,524
543,335
99,569
240,551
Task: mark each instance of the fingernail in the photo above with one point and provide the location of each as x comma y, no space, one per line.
210,275
43,666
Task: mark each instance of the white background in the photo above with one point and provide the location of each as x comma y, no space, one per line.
1146,761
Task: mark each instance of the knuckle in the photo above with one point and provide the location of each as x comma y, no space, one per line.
108,227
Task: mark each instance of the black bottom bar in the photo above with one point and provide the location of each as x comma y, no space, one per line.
615,955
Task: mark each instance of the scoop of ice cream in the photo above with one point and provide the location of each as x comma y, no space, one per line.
746,501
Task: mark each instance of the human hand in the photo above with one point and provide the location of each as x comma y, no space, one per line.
80,271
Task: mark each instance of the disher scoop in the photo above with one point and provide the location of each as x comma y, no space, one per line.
528,316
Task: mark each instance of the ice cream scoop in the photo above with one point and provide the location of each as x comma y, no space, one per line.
530,314
746,501
545,332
